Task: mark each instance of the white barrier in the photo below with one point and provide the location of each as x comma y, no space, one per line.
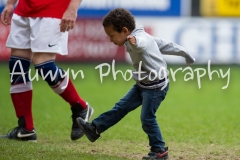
206,39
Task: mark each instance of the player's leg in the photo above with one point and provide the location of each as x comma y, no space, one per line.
21,86
47,41
128,103
152,98
63,86
21,94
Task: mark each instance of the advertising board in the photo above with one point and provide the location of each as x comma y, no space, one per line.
206,39
220,8
93,8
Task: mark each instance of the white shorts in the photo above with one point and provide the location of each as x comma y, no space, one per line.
37,34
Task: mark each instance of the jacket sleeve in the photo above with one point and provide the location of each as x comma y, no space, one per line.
170,48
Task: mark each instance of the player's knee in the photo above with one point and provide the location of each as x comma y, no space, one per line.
50,72
19,70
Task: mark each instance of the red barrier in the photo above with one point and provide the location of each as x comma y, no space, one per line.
87,43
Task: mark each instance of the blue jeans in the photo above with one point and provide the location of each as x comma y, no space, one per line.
150,100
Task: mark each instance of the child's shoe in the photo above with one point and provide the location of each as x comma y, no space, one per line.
162,155
89,129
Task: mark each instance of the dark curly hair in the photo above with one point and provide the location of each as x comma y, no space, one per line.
119,18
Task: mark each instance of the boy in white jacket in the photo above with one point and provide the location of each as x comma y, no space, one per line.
151,80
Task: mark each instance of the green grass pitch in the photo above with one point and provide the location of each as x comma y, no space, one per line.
196,123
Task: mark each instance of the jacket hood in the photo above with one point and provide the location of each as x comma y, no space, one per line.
137,30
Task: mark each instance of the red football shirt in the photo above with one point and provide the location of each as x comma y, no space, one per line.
41,8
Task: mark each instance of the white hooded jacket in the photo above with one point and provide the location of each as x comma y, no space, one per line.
147,58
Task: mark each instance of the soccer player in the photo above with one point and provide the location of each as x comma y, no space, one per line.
39,31
151,80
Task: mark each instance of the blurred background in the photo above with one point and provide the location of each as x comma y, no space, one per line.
200,123
208,29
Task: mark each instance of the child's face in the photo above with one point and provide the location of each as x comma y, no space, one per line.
118,38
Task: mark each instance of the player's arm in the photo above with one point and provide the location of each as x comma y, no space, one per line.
170,48
8,12
70,16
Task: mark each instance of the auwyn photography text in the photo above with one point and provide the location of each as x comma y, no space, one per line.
127,75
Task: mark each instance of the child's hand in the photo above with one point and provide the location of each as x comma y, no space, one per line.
132,40
190,60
